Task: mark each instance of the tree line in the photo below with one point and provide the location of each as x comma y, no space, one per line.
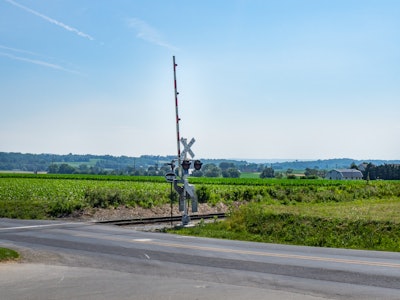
369,171
224,169
157,165
384,172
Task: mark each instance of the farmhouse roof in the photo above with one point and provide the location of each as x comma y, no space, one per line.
350,173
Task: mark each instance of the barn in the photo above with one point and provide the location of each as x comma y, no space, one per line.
344,174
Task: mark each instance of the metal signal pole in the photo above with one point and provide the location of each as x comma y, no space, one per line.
178,140
182,200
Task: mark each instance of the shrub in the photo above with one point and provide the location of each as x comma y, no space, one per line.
63,208
203,194
103,198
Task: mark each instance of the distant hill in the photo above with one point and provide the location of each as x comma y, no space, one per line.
41,162
10,161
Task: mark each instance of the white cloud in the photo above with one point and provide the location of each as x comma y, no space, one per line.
148,33
51,20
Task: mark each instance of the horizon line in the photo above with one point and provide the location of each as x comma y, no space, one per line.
268,160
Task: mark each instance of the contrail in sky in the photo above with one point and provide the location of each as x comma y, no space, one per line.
148,33
53,21
37,62
19,50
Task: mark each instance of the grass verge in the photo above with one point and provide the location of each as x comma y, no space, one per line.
364,225
8,254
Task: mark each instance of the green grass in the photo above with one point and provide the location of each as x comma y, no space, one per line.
91,163
8,254
344,214
369,224
386,210
250,175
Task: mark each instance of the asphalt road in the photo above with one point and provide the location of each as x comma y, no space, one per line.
67,260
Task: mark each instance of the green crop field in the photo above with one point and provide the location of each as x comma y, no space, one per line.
351,214
47,196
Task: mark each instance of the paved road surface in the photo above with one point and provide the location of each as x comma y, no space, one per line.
85,261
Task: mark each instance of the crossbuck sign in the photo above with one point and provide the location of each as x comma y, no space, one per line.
186,148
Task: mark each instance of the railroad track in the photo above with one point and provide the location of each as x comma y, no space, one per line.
157,220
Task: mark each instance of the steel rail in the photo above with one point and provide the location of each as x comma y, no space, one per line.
154,220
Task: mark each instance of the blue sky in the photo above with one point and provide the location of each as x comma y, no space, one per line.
310,79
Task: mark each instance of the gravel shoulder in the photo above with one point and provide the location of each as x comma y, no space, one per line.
122,212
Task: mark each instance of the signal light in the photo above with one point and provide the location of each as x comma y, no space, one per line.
197,164
186,164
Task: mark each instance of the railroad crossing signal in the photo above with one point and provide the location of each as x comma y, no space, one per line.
182,187
186,148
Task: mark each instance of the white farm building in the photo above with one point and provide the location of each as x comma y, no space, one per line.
344,174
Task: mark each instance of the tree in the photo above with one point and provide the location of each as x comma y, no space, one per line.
53,169
197,173
385,172
211,170
83,169
231,173
268,172
66,169
314,173
369,172
165,169
226,165
353,166
250,167
152,171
